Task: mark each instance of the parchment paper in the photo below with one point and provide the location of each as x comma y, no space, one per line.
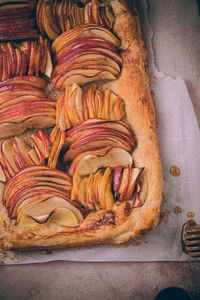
179,143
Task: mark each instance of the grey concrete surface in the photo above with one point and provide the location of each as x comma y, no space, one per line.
176,26
81,281
176,42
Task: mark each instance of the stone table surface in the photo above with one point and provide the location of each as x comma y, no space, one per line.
176,41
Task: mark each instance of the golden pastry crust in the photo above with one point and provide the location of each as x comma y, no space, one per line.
122,223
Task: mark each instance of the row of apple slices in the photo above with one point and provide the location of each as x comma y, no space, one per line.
60,16
98,191
42,145
17,20
97,133
27,58
80,104
23,104
37,191
16,154
84,54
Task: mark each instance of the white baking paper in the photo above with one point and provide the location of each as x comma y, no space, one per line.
179,143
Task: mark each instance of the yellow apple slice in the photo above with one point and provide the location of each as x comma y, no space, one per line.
75,163
119,108
59,107
46,206
109,199
116,107
32,158
102,187
2,175
75,187
106,109
70,96
7,151
97,179
49,65
27,221
82,191
113,157
98,104
79,103
63,216
90,103
56,148
89,202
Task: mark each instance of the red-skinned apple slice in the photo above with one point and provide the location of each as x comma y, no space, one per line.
19,92
124,183
134,175
4,67
117,178
96,125
27,193
70,57
7,60
92,61
103,132
37,173
1,64
95,142
84,31
81,77
32,81
97,122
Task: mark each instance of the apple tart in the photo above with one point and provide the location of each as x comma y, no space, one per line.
79,159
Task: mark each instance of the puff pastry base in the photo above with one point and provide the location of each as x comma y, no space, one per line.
120,224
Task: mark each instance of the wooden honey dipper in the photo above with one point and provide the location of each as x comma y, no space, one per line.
191,239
